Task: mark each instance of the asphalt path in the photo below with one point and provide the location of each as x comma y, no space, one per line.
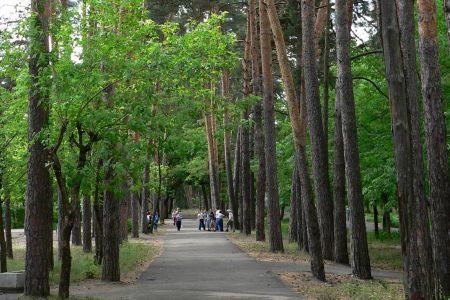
199,265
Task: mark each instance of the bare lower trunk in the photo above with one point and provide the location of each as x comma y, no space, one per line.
3,267
76,230
124,214
213,167
98,216
436,142
447,18
111,231
293,210
145,196
9,249
87,225
135,214
340,228
360,261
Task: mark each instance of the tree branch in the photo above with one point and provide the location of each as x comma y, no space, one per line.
373,83
366,53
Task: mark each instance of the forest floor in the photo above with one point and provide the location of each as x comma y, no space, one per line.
293,268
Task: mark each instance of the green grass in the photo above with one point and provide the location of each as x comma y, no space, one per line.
395,223
83,267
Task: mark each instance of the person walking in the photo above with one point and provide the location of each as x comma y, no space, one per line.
219,220
201,221
178,220
155,222
230,222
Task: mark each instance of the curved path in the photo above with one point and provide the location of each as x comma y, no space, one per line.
200,265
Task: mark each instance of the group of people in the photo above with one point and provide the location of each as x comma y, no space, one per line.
177,217
154,220
213,221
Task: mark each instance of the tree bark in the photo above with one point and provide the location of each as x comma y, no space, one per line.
375,221
9,249
3,266
212,154
135,214
275,238
447,18
340,227
414,279
111,230
38,218
245,133
236,179
293,209
87,225
227,141
76,230
318,147
124,212
405,13
326,79
358,241
145,195
98,216
258,127
436,143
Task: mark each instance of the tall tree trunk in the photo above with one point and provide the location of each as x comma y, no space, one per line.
302,235
358,238
213,172
405,12
98,216
38,218
326,79
245,134
59,224
340,227
87,225
9,249
135,214
205,197
318,147
145,195
293,209
76,230
227,140
375,221
436,141
414,279
236,179
275,238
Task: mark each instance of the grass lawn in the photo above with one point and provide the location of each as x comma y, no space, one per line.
385,252
132,255
343,287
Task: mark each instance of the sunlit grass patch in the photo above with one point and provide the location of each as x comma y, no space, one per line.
342,287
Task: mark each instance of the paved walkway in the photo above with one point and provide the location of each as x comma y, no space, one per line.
199,265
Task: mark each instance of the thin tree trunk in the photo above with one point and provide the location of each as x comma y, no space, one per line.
135,214
302,238
340,228
293,210
326,79
145,195
59,224
236,179
375,221
3,267
226,142
98,216
245,142
87,225
213,172
447,19
318,147
205,197
275,238
360,261
436,141
38,213
9,249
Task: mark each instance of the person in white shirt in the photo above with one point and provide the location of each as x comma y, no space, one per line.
219,220
230,222
201,221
